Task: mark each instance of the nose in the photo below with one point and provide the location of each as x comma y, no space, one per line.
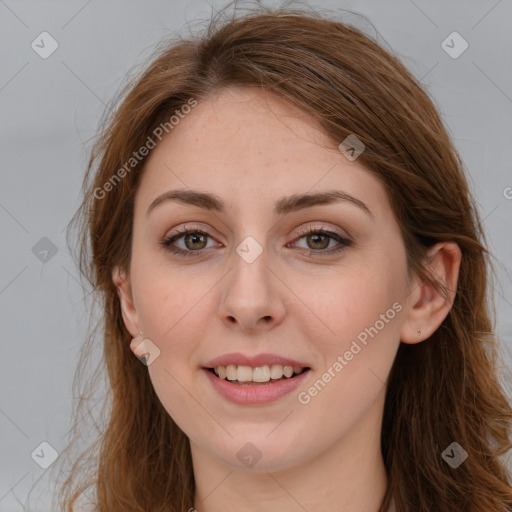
252,296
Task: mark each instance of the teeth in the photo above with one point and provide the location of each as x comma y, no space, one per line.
230,372
260,374
276,371
244,373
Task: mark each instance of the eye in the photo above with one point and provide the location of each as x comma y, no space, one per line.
318,239
195,241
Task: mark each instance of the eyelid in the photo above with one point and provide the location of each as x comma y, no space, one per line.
304,230
344,241
168,240
186,228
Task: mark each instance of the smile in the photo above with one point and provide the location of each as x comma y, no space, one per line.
247,375
250,392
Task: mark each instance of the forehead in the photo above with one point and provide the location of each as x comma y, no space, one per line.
249,147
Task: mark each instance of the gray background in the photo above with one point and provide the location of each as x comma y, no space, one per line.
51,107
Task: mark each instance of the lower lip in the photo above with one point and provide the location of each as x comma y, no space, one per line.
254,394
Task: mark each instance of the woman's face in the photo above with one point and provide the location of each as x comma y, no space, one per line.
254,283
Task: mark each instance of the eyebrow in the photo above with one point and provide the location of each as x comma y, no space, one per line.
283,205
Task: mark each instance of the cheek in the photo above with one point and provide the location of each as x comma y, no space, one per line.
355,363
171,310
361,316
340,309
174,308
169,301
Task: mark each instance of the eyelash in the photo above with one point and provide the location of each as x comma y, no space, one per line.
345,242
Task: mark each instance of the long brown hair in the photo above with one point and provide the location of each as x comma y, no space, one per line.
443,390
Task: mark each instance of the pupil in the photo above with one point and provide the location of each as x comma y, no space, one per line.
194,236
323,245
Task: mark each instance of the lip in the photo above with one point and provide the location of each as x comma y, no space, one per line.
237,359
257,394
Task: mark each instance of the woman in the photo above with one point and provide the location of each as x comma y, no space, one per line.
281,231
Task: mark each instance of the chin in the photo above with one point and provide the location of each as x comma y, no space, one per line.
259,454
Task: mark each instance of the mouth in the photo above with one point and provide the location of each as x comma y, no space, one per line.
256,376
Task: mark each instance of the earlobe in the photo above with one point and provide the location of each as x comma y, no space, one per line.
428,304
130,316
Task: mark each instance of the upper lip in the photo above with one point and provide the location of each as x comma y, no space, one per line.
237,359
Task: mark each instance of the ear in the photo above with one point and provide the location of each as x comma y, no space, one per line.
427,306
130,316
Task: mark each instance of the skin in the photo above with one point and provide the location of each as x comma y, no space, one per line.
251,149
